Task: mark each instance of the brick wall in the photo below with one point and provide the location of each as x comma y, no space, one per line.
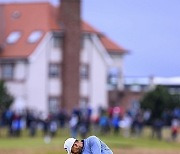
70,20
124,98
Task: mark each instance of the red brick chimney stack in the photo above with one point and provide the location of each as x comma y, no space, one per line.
71,22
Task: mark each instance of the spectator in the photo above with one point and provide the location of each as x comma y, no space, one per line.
73,123
174,128
116,123
53,128
157,128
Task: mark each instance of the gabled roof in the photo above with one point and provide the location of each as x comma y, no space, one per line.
28,17
33,16
88,28
111,46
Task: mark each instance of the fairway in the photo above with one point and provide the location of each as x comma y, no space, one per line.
119,144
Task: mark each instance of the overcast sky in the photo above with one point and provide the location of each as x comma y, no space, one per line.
149,29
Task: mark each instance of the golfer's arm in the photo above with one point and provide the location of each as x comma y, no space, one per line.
95,146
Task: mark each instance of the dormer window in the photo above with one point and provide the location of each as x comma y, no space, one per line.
13,37
35,36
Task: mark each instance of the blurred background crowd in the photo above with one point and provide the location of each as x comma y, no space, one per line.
81,123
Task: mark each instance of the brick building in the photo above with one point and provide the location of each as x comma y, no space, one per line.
51,59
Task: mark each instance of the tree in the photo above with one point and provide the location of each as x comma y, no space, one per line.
158,101
5,98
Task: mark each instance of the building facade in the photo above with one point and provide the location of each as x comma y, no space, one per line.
31,59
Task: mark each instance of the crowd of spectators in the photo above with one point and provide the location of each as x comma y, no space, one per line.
81,122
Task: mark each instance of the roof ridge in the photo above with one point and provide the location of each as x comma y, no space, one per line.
25,2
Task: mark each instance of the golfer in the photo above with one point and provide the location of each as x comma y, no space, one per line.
90,145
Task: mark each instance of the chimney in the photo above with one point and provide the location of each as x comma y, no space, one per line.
71,22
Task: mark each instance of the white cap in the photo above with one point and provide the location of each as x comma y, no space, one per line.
68,144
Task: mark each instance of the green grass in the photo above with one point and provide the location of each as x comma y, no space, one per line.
37,145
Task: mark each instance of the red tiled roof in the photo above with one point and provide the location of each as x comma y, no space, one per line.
111,46
87,28
33,16
37,16
108,44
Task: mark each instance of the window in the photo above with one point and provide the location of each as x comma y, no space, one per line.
53,104
85,36
54,70
57,41
136,88
173,91
13,37
35,36
84,102
84,71
7,71
113,77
